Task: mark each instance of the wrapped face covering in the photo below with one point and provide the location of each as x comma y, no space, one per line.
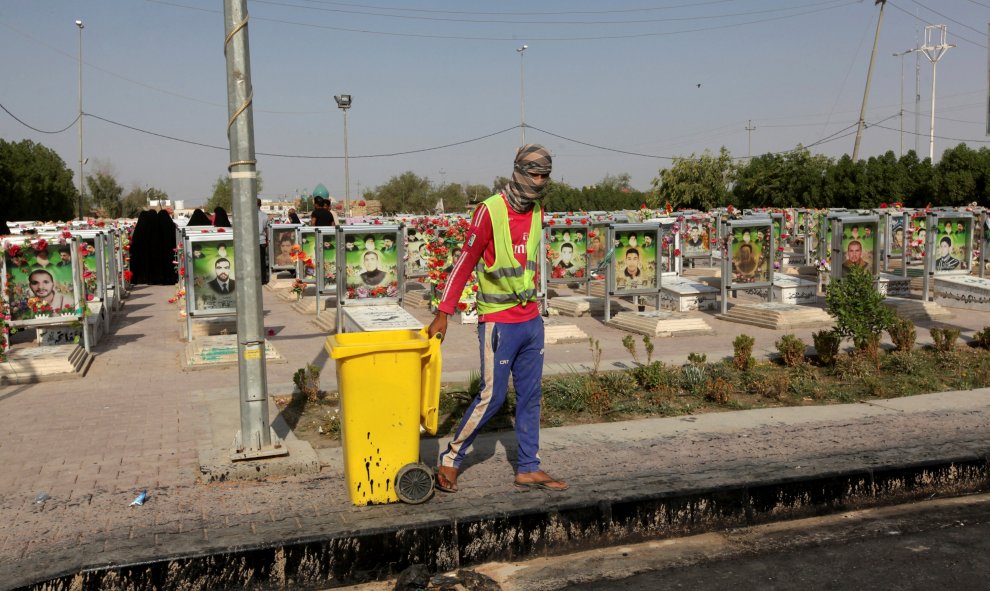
523,191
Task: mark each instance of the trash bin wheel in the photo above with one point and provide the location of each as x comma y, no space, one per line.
414,483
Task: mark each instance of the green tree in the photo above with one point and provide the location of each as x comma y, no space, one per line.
406,193
701,182
35,183
222,193
104,193
136,200
477,193
961,176
498,184
845,184
920,176
453,197
885,179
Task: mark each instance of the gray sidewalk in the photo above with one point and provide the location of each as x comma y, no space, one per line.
136,421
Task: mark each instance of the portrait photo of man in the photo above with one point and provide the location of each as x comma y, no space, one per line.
945,260
42,285
64,256
854,257
222,282
746,262
372,274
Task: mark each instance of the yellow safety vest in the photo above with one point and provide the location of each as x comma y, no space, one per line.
506,283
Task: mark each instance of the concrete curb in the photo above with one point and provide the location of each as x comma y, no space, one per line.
510,531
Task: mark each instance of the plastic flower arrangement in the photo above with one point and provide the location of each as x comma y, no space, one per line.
298,286
379,291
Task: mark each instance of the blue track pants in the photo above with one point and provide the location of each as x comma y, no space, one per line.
514,350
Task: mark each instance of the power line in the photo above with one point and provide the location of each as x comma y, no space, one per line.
67,127
918,18
285,4
515,37
949,18
529,13
952,139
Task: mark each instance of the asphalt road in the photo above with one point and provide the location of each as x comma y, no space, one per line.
925,546
937,544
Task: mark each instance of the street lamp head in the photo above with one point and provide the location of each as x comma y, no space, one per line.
343,101
80,24
523,48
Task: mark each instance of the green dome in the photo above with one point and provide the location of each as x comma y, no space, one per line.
321,191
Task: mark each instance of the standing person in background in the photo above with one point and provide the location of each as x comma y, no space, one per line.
321,213
504,243
293,217
266,271
220,218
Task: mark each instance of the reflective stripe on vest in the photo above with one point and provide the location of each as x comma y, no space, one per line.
506,283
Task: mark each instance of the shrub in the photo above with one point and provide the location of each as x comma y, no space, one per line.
903,334
697,358
655,376
944,339
566,392
791,350
982,338
742,351
827,346
694,378
858,308
630,344
596,354
719,390
768,383
608,387
307,381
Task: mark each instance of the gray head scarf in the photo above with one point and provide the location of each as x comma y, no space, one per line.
522,191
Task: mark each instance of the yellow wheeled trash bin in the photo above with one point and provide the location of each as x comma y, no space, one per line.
389,383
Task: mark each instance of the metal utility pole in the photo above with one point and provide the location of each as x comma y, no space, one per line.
901,55
255,438
522,94
82,179
344,103
869,77
749,140
934,53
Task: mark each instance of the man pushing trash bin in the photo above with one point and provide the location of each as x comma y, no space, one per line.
504,244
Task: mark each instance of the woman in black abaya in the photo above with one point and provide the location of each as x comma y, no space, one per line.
220,219
141,248
165,250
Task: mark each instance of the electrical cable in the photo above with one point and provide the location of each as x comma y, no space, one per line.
67,127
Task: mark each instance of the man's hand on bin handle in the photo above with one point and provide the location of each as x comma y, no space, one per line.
438,326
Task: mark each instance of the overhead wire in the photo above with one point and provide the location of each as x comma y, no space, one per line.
918,18
829,138
32,128
515,37
286,4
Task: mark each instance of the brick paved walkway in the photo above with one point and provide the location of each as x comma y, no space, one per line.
136,421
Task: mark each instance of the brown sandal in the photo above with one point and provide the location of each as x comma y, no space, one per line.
447,479
542,480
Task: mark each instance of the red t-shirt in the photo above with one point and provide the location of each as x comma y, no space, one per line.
479,243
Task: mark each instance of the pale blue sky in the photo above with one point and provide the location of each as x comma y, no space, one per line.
622,75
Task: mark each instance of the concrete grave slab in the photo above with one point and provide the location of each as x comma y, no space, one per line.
661,323
219,351
46,363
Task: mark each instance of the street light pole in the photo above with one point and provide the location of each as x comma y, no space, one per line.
522,93
82,179
934,53
344,103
